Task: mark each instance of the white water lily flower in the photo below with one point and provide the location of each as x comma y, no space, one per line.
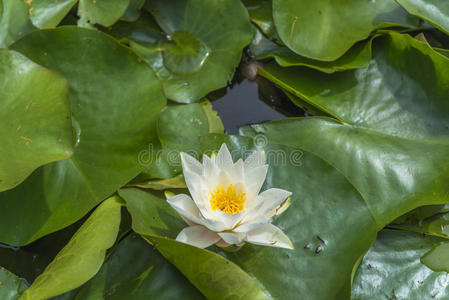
227,208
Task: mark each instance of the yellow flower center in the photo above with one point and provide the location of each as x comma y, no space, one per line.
230,200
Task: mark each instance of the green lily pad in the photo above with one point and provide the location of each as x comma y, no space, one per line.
14,22
261,14
179,127
325,30
11,286
151,214
144,31
435,12
49,13
184,53
153,277
358,56
392,269
437,225
35,123
132,12
82,257
437,258
213,275
222,33
106,93
103,12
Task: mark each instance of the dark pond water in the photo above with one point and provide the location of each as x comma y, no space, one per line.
252,102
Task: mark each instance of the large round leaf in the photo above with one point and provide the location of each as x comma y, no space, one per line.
204,45
392,269
11,286
35,125
115,101
14,21
433,11
326,29
103,12
48,13
179,127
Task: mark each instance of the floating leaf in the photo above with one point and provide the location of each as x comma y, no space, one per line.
261,14
392,269
106,92
103,12
437,225
358,56
82,257
433,11
14,21
179,128
49,13
325,30
132,12
35,123
208,50
151,214
215,276
11,287
437,258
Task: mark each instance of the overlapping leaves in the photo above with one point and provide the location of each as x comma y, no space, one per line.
382,150
35,123
308,28
107,143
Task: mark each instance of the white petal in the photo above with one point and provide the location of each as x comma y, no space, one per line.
256,159
186,207
209,167
269,235
272,198
254,179
194,184
264,206
214,225
236,172
190,163
198,236
229,220
224,158
251,226
232,238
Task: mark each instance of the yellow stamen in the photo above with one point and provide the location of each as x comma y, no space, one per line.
230,200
